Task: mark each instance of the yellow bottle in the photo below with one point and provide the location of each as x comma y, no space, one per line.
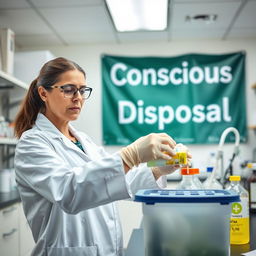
180,158
239,222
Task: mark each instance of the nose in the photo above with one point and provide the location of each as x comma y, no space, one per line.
77,95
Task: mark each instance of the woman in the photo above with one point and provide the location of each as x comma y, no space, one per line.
67,184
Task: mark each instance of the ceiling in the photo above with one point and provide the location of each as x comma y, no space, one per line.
70,22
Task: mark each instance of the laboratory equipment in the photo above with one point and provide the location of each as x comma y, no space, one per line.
239,222
187,181
211,182
188,222
229,169
180,158
251,184
196,180
211,159
211,162
219,157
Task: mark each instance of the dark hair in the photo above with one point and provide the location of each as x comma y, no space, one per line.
32,103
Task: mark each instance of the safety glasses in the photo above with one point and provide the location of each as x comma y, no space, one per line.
70,90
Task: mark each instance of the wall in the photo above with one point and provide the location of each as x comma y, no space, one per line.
88,56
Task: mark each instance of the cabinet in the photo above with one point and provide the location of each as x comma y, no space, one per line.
12,91
9,230
15,235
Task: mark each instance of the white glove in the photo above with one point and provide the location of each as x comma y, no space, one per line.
168,169
164,170
149,147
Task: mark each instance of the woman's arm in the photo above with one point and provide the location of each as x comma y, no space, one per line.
73,189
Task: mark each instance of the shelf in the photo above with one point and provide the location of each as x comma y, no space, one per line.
8,141
254,86
252,127
9,80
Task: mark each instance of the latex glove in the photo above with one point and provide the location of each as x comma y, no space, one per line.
164,170
149,147
181,147
168,169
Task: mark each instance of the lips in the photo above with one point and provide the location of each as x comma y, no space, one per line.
74,108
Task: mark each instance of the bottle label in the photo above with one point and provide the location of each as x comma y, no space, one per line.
239,231
240,209
239,222
178,158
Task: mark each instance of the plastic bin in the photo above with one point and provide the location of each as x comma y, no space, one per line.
186,222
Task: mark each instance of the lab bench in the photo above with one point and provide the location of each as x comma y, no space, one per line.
10,205
135,245
8,199
15,235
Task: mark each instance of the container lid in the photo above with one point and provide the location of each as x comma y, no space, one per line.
189,171
151,196
209,169
234,178
195,170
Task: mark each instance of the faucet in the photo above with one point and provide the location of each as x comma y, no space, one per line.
219,156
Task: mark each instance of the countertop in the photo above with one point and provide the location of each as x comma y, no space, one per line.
9,198
135,245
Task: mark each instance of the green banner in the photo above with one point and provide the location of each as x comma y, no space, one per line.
191,97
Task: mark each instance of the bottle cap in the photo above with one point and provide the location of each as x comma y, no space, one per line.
209,169
249,165
234,178
180,148
188,171
195,170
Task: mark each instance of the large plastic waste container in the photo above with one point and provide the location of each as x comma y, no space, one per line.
186,222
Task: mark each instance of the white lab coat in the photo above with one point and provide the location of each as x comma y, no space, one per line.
68,195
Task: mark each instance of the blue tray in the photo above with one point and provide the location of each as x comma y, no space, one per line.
150,196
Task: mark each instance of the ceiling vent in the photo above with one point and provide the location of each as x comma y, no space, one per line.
202,18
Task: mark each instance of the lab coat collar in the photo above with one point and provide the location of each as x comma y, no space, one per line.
44,124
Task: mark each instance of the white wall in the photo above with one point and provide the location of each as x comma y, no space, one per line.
88,56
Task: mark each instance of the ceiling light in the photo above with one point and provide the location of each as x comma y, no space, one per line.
134,15
202,18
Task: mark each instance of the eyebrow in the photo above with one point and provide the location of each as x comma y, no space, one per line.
83,85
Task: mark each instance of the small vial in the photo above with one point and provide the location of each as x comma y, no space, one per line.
180,158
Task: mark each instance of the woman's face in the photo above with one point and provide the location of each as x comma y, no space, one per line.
59,108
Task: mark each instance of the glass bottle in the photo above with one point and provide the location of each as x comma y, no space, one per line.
251,184
211,182
211,163
239,222
187,181
196,178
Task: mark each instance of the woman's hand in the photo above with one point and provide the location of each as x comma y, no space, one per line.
146,148
164,170
168,169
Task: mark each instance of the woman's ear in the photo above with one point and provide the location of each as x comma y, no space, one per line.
42,93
